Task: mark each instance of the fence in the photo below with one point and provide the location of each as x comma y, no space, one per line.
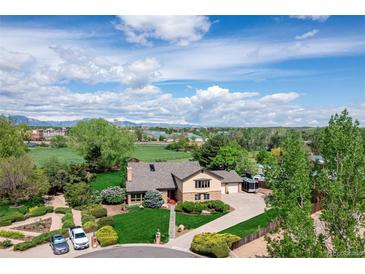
255,235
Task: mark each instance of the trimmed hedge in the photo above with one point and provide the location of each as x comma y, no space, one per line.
87,217
107,236
198,207
105,221
9,219
90,226
40,211
68,220
40,239
12,234
97,211
5,244
213,244
62,210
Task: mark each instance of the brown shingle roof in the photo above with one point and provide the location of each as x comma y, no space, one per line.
228,176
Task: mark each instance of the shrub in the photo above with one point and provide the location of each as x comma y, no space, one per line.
105,221
188,207
97,211
86,217
63,210
153,199
40,211
40,239
5,221
198,207
68,220
113,195
5,244
11,234
90,226
77,194
16,216
107,236
218,206
213,244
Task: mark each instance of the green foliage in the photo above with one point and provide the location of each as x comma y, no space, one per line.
291,199
108,179
107,236
105,221
206,153
40,239
213,244
11,139
68,220
266,158
155,153
153,199
40,211
113,195
21,180
77,194
5,244
57,173
62,210
342,184
97,211
87,217
10,215
12,234
191,221
198,207
181,145
90,226
101,143
231,157
59,141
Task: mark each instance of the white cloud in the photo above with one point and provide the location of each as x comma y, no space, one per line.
181,30
307,35
11,60
278,98
320,18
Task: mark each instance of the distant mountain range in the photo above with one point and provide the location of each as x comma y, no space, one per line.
18,119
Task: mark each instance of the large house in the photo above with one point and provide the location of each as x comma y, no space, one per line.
186,181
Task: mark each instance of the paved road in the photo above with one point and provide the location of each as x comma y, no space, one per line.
139,252
246,205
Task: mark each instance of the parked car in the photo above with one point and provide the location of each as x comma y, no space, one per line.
59,244
78,237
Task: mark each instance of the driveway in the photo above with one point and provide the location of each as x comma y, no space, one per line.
139,251
246,205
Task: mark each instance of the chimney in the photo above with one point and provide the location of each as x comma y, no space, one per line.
129,174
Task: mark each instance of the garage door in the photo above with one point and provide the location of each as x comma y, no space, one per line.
233,188
223,189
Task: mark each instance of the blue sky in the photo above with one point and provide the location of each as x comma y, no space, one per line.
206,70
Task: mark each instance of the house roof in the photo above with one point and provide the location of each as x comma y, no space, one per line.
228,176
143,179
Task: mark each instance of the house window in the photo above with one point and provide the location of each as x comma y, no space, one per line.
202,183
137,197
197,197
206,196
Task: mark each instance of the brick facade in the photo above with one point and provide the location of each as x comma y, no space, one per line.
214,195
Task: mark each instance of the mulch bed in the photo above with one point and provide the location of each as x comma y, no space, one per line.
40,226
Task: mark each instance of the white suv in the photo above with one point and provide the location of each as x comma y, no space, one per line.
78,237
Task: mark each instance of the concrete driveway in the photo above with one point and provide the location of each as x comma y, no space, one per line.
246,205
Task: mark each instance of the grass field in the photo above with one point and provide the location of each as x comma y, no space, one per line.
67,155
152,153
140,225
107,179
191,221
249,226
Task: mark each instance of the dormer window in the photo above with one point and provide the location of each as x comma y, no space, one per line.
202,183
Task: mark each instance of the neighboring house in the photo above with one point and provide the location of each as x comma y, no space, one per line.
186,181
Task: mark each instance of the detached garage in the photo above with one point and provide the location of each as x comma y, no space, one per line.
231,181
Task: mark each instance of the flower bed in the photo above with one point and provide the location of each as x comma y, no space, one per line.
41,226
198,207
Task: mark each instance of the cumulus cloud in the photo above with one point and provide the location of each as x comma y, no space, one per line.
12,60
181,30
307,35
278,98
320,18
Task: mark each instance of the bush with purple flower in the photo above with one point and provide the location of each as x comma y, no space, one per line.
113,195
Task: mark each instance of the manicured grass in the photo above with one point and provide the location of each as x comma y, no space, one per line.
140,225
191,221
7,211
152,153
249,226
67,155
107,179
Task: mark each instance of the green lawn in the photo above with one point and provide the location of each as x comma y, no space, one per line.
152,153
107,179
140,225
67,155
191,221
249,226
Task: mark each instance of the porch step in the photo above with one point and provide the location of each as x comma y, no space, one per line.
172,223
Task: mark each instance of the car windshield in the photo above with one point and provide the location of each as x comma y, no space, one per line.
80,235
59,240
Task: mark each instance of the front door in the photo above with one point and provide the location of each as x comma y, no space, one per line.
171,194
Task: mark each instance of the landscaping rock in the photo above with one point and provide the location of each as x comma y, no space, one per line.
205,212
180,228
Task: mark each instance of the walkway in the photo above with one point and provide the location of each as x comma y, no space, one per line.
246,206
172,222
